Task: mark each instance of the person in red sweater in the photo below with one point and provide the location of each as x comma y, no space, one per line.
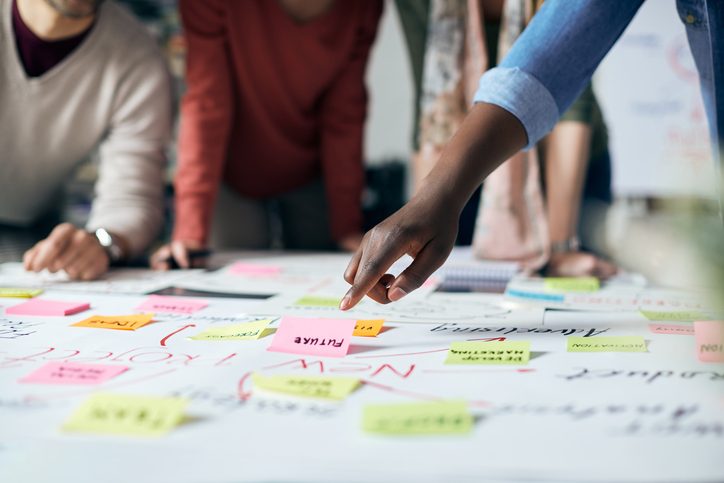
271,124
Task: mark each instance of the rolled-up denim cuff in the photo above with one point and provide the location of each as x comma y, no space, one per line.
522,95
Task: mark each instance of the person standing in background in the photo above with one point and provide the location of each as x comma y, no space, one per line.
271,125
517,104
79,75
530,206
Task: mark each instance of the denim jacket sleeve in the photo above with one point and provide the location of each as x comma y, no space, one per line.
553,60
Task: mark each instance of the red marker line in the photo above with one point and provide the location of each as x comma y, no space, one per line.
163,341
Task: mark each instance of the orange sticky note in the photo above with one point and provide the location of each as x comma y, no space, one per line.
709,340
117,322
368,328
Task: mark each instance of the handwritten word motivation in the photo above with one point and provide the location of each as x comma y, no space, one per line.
470,329
607,344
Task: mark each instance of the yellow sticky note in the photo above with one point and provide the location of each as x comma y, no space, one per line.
679,316
607,344
322,387
571,284
315,301
127,415
117,322
488,353
243,331
20,293
368,328
444,417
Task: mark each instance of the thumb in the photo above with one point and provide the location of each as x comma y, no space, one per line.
427,261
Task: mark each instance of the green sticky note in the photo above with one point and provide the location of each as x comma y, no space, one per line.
243,331
488,353
444,417
571,284
607,344
20,293
679,316
314,301
127,415
323,387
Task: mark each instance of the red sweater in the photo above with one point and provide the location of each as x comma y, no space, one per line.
271,105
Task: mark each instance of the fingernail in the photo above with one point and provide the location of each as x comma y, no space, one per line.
344,304
396,294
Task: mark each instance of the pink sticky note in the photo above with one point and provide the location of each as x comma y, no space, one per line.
173,305
709,340
254,269
73,373
318,337
47,308
671,329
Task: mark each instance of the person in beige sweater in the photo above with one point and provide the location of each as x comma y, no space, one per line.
81,75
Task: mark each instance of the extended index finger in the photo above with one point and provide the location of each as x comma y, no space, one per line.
375,257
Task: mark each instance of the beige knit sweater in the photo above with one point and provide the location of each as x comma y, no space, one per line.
112,92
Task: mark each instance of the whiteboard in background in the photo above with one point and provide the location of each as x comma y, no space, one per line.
648,88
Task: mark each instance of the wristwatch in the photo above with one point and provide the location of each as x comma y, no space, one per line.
570,245
110,245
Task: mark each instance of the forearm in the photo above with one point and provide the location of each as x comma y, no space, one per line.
488,136
566,154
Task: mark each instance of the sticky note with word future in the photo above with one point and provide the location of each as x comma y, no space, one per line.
709,340
116,322
672,329
368,328
253,269
172,305
19,293
323,387
488,353
444,417
312,336
571,284
607,344
316,301
47,308
73,373
127,415
243,331
677,316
